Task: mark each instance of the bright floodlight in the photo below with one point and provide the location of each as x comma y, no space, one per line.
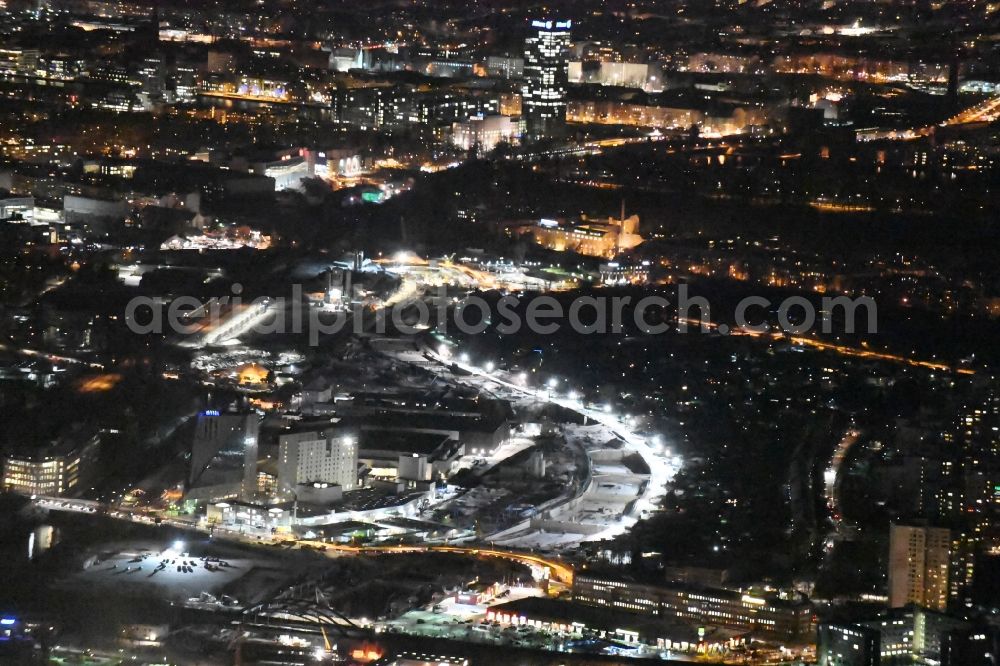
607,409
523,377
178,545
489,366
464,358
552,382
444,351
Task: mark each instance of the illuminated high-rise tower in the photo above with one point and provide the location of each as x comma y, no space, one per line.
546,72
918,566
224,457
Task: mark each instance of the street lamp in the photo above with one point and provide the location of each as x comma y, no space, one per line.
656,443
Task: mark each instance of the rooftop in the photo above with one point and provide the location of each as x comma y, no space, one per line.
568,612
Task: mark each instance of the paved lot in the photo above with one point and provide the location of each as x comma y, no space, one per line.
167,571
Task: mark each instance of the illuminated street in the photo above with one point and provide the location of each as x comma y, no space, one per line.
421,333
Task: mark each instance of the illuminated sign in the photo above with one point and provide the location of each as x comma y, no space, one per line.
548,25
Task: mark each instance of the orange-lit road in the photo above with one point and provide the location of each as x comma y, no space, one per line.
246,98
987,111
52,358
558,570
98,383
878,356
842,349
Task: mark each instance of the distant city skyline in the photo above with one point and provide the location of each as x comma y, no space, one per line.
422,333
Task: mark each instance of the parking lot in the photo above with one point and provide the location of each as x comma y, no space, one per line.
166,571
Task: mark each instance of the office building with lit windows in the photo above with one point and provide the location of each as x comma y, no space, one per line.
16,208
592,237
906,636
848,645
546,76
62,467
152,79
482,133
772,616
625,629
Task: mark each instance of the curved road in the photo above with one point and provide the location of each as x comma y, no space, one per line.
660,469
